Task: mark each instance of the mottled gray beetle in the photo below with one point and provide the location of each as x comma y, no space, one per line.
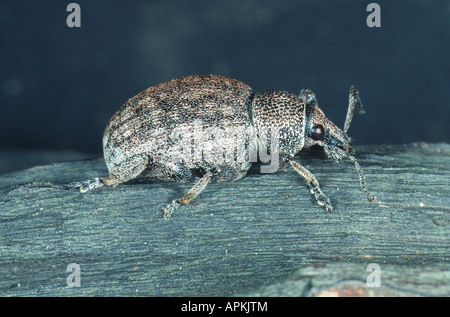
140,138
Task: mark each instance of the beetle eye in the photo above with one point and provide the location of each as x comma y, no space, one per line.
317,132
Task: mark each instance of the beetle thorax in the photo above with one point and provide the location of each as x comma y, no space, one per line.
278,116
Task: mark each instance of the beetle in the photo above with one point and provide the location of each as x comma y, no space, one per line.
203,127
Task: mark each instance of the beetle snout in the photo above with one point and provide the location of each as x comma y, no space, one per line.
343,142
338,145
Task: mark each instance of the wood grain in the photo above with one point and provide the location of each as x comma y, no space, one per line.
262,235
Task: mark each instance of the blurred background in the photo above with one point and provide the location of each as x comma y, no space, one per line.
59,86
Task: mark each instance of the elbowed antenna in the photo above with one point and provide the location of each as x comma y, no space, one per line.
353,102
362,180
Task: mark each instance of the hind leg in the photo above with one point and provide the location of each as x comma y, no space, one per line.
118,174
85,186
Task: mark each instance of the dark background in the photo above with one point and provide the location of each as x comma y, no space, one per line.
59,86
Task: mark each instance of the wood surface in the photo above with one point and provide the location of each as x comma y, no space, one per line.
263,235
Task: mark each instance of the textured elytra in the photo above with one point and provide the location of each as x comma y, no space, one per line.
141,130
204,127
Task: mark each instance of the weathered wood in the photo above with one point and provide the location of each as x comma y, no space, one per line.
263,235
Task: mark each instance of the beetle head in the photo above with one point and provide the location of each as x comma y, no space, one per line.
336,143
319,130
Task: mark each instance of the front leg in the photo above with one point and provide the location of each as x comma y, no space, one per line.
313,184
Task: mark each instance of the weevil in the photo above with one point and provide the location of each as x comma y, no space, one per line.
204,127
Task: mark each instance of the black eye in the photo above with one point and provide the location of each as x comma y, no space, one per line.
317,132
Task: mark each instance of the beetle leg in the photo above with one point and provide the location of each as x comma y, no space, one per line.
189,196
85,186
314,186
133,168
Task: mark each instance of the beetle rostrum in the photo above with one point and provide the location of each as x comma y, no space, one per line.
204,127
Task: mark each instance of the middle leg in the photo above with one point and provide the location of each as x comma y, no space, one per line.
225,173
189,196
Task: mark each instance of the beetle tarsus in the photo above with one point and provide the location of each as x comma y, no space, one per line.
86,186
321,198
168,211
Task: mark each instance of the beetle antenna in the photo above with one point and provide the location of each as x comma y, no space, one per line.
353,102
362,180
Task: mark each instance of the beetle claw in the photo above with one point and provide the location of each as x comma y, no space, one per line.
323,200
168,211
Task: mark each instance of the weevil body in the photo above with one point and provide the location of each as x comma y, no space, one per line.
204,127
